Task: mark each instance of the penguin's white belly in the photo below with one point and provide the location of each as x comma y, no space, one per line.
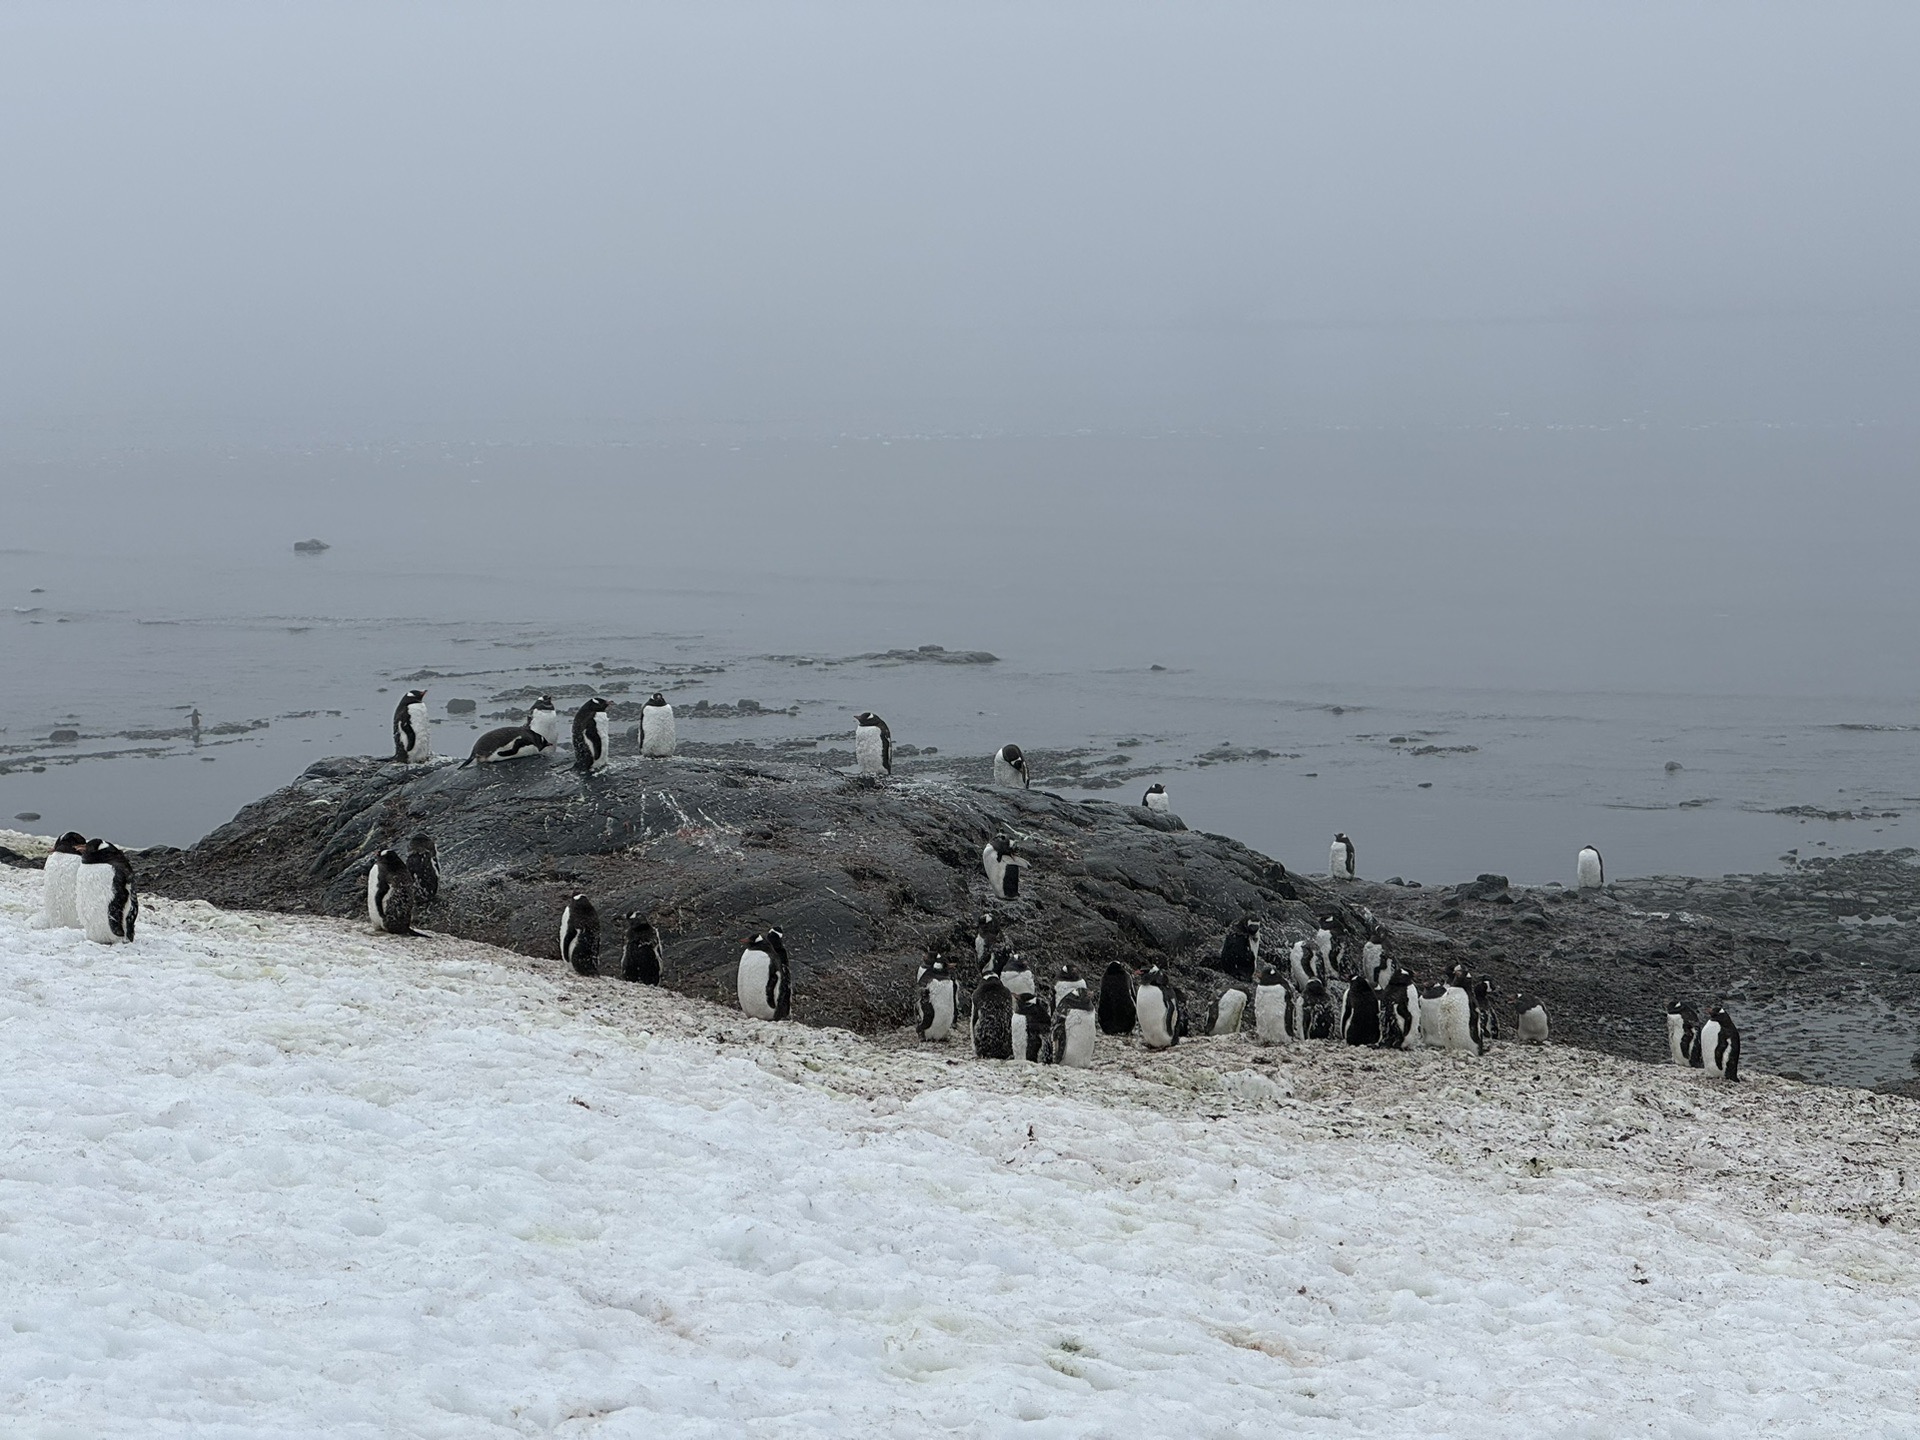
656,731
422,745
1151,1006
1076,1042
57,895
1157,803
1019,1034
605,733
1297,963
754,965
1415,1037
93,903
373,902
1587,872
1064,988
1323,948
1233,1005
1337,862
1445,1023
545,724
1373,964
1533,1027
1709,1047
942,998
1018,982
867,749
1270,1015
1676,1039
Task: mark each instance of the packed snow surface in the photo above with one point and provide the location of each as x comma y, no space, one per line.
276,1176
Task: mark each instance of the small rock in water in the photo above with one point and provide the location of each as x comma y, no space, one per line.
1156,667
310,547
38,590
64,737
1426,785
28,815
1672,765
461,707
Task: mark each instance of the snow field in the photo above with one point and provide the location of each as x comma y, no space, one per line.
272,1175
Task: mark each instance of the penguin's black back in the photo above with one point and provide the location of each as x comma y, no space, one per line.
1236,954
640,963
992,1020
583,936
1360,1014
1116,1013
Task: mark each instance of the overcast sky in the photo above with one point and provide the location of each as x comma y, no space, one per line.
574,221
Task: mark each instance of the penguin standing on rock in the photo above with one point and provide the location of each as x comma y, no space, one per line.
1683,1033
1117,1013
872,744
1032,1030
544,720
992,1020
1360,1014
641,962
1314,1016
1157,1004
1400,1013
765,985
1718,1047
423,864
939,1001
410,743
1271,997
1068,981
1015,973
1447,1018
57,909
656,727
1532,1029
1486,1023
104,899
1229,1008
1340,860
1010,768
1589,870
1300,967
1374,963
590,737
509,742
390,894
1073,1030
1240,951
986,936
1156,799
1003,864
580,936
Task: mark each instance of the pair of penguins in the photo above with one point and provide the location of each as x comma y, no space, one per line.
641,960
1713,1045
88,885
592,736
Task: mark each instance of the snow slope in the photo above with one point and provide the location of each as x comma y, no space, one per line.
266,1175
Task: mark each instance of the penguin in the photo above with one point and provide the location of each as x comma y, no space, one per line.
580,936
1156,799
1486,1023
1340,859
57,894
1718,1047
390,894
544,720
1032,1030
1323,938
1589,871
986,936
1117,1013
1158,1008
1015,973
1400,1013
766,985
1532,1029
423,864
992,1020
872,744
656,727
1683,1033
509,742
641,961
410,742
1374,963
1300,967
1447,1018
1240,951
105,903
590,736
1360,1014
1068,981
1073,1030
1271,999
1226,1012
1010,768
1003,865
939,1000
1314,1012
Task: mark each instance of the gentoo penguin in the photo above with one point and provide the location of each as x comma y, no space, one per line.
1323,938
1073,1030
1400,1013
62,869
1118,1014
1226,1012
986,936
1486,1023
1068,981
1589,871
766,988
580,936
1156,1003
1532,1029
992,1020
1447,1018
1340,859
509,742
640,962
1374,963
590,735
1314,1016
939,1001
1360,1014
544,720
410,743
423,863
1240,951
872,744
1683,1033
1156,799
1300,968
1271,998
1010,768
1032,1030
656,727
1719,1044
1015,973
390,894
104,899
1003,864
